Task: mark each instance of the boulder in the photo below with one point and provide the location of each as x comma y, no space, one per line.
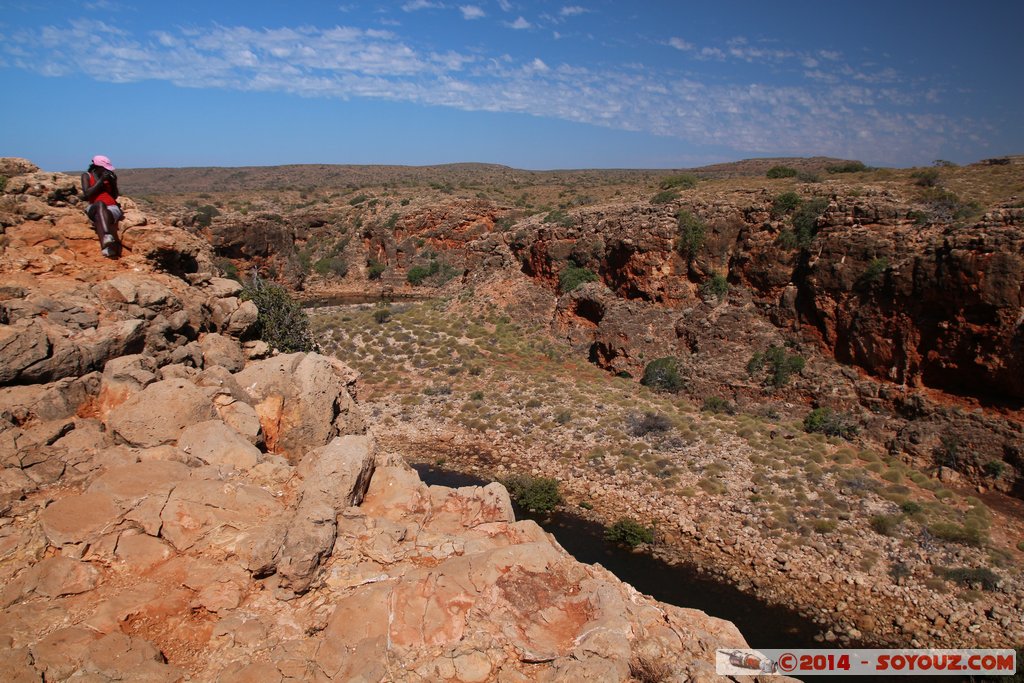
339,473
215,443
242,319
220,287
124,377
308,543
302,401
21,346
157,414
220,350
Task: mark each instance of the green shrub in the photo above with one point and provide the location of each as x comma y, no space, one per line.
716,286
228,268
927,177
375,269
692,231
886,525
281,321
994,468
417,274
573,276
785,203
781,365
334,265
358,199
808,177
663,374
629,532
979,576
874,272
911,508
665,196
717,404
827,421
382,315
781,172
945,206
642,425
537,494
954,533
847,167
805,220
685,181
205,215
559,217
824,525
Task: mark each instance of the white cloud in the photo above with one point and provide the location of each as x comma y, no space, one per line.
821,114
416,5
471,12
680,44
520,24
505,5
573,10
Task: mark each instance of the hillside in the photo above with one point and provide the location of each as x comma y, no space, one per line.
847,411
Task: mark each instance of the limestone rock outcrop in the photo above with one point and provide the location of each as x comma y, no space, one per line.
173,507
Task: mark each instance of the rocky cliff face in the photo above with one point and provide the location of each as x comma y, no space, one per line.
178,504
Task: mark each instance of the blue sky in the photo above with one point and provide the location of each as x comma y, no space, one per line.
537,85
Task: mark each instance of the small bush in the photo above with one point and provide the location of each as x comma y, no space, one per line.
785,203
781,365
717,404
808,177
945,206
980,576
827,421
281,321
629,532
228,268
683,181
537,494
573,276
375,269
886,525
334,265
715,287
358,199
911,508
641,425
847,167
665,196
382,315
873,273
805,220
559,217
994,468
205,215
954,533
781,172
692,231
928,177
663,374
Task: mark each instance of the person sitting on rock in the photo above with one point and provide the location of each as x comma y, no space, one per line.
99,185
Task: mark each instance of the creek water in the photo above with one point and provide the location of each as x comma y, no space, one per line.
764,626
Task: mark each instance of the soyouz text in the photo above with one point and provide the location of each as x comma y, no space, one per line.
838,662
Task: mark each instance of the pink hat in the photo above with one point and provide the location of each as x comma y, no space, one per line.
100,160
